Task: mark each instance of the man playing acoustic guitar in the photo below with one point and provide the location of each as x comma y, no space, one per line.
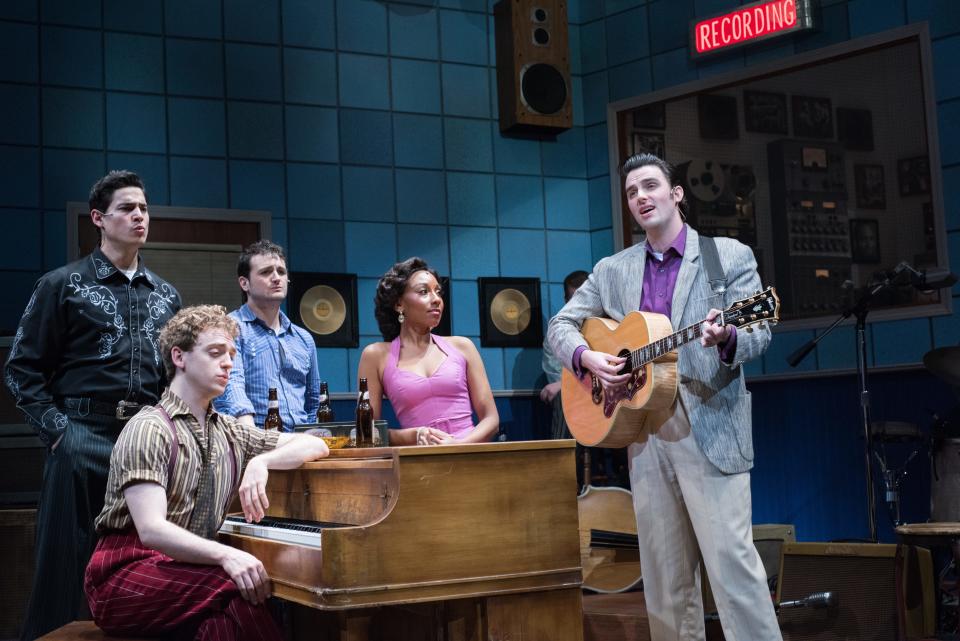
689,464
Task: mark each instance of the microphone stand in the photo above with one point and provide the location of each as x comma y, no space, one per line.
860,309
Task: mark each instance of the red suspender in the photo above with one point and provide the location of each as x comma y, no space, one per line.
175,450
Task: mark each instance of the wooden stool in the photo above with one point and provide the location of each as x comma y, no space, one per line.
81,631
615,617
945,534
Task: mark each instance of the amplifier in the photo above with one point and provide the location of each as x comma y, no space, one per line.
863,580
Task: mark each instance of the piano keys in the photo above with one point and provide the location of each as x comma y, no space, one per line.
494,524
279,529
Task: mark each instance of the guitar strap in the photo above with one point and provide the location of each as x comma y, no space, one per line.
711,261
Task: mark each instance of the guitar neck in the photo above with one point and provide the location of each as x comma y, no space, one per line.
652,351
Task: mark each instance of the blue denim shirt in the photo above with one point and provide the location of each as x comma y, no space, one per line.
286,360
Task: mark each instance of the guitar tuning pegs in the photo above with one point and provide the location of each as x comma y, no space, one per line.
750,329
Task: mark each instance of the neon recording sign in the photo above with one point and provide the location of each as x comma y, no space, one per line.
748,24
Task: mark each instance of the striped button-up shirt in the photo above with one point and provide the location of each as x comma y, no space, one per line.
203,477
286,360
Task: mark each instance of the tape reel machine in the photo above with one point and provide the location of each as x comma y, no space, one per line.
720,198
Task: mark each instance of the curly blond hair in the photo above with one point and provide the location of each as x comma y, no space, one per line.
183,329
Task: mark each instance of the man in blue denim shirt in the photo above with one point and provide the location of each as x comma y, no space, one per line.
271,351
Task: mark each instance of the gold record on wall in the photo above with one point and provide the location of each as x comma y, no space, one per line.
510,312
323,309
326,306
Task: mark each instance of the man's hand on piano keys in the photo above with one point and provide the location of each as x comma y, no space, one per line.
248,573
253,490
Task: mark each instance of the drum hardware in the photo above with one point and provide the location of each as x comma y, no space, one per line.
899,275
891,483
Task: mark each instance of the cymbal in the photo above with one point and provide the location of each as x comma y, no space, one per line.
323,309
510,311
944,362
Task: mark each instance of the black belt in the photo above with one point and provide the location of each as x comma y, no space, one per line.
121,410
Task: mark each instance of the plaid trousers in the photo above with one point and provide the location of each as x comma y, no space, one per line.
132,589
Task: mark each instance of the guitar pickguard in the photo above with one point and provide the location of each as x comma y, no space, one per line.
625,392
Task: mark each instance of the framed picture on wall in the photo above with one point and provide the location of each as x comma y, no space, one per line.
913,175
855,129
718,117
510,312
812,117
652,116
443,328
865,240
650,142
326,306
765,112
870,186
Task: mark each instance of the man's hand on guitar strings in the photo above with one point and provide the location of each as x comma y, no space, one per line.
606,367
712,333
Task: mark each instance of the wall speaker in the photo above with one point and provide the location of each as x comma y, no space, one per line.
326,306
863,579
533,66
510,312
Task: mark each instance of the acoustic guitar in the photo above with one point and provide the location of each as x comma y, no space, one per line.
609,552
615,418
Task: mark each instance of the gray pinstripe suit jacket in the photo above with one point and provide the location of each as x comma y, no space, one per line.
712,392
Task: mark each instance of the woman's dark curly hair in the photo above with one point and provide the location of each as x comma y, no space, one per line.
390,289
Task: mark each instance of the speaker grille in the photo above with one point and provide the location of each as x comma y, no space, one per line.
865,587
543,89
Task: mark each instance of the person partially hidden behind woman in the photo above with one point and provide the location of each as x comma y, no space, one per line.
435,384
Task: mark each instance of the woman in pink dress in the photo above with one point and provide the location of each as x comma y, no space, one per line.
435,384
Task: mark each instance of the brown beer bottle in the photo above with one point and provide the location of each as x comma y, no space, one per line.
324,412
273,421
364,427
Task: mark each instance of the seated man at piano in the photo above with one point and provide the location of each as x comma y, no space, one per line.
434,384
157,569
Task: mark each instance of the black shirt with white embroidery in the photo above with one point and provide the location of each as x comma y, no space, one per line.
88,331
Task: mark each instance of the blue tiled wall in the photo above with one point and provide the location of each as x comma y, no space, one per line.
368,125
808,439
630,47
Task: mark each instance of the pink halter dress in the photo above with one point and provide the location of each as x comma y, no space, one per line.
441,401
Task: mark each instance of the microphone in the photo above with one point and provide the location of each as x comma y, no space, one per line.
924,280
817,601
935,278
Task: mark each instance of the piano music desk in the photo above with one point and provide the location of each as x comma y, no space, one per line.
471,542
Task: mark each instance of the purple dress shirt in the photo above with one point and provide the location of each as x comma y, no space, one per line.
659,281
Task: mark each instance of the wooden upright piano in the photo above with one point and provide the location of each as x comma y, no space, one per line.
473,542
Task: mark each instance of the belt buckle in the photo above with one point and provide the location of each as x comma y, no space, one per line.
122,406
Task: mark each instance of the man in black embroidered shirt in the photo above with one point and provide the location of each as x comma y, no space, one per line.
84,358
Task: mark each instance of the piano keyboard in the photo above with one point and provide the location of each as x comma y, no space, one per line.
279,529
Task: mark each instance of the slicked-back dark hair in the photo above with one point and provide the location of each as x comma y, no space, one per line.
101,194
262,247
574,280
637,161
390,289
